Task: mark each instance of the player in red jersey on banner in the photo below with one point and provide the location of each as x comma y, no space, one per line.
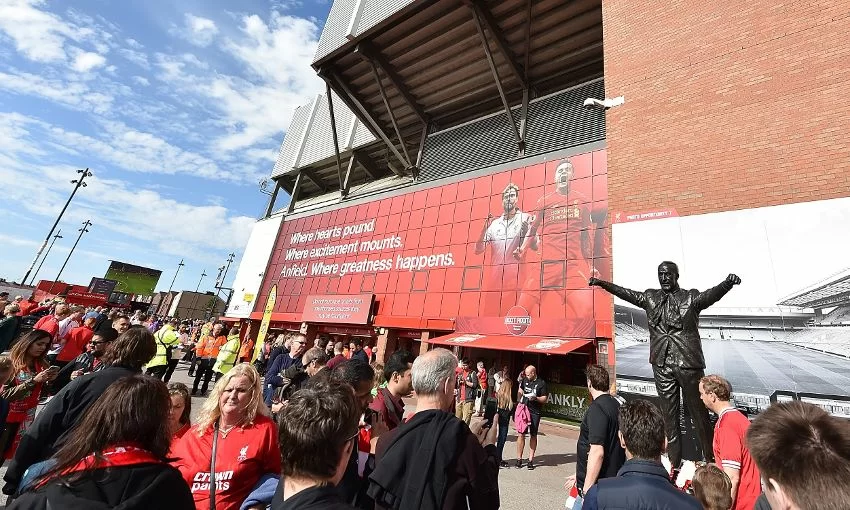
561,232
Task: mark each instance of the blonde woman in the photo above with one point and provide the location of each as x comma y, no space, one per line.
234,423
505,409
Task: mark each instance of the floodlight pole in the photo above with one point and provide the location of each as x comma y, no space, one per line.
55,237
80,183
83,230
179,266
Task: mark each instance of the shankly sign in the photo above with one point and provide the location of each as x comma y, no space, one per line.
338,309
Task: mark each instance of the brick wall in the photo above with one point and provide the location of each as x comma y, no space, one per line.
729,105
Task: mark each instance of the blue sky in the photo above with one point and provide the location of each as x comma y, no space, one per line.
178,108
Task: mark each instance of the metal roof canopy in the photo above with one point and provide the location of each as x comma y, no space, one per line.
439,63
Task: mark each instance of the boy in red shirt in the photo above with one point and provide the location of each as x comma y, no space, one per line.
730,451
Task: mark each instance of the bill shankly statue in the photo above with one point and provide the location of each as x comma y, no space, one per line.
675,349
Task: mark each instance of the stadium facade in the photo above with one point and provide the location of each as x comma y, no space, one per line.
449,188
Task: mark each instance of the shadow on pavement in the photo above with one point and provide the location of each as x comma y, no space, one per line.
554,459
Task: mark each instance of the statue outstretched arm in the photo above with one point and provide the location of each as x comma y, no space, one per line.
631,296
710,296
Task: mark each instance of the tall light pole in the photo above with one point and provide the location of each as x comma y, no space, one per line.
83,230
195,300
179,266
229,261
203,274
80,183
230,258
55,237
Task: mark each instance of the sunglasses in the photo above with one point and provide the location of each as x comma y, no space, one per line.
98,343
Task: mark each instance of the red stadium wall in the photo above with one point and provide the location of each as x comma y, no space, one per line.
416,252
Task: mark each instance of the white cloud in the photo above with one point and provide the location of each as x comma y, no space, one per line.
17,241
196,30
136,57
87,61
38,35
277,57
141,80
136,45
73,94
125,208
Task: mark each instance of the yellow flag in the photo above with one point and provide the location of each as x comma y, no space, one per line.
264,325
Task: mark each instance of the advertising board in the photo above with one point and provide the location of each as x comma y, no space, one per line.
505,253
133,279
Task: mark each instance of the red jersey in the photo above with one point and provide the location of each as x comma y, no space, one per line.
26,308
730,452
564,219
242,457
75,343
48,323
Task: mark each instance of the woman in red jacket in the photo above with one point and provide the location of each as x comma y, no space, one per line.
235,437
23,391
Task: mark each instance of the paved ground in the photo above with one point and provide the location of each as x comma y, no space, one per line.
541,489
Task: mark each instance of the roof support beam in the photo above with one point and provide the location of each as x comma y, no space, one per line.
355,105
523,121
371,54
389,108
527,63
296,189
477,19
418,165
329,93
369,165
492,26
314,179
347,182
272,198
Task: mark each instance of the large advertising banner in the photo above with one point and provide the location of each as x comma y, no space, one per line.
505,253
784,333
133,279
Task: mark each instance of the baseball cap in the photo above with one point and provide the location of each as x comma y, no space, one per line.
90,315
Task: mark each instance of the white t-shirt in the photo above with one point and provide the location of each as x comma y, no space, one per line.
506,235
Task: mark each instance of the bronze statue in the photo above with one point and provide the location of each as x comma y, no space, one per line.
675,349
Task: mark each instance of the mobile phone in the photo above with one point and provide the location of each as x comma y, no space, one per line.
370,416
53,368
489,412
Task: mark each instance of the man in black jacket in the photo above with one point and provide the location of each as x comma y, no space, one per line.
318,431
643,482
88,361
126,356
675,349
434,461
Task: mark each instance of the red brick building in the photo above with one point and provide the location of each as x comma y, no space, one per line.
433,108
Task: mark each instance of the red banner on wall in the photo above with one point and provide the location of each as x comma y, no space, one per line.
509,252
343,309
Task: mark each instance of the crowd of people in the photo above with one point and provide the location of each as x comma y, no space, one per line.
313,424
